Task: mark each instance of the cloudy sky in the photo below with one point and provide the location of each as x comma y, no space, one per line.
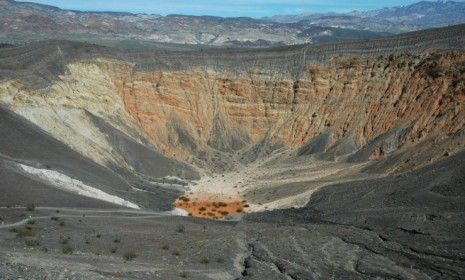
226,8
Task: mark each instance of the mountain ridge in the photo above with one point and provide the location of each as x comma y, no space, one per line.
25,21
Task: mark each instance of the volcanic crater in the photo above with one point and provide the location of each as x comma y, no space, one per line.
350,156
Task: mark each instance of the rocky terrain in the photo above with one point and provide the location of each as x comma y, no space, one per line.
24,22
346,160
424,14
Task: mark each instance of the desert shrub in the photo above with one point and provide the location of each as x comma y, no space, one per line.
23,232
67,249
30,207
31,222
116,240
129,256
113,250
64,240
54,219
183,274
165,247
32,242
62,224
176,253
219,260
202,209
181,228
434,71
98,235
204,261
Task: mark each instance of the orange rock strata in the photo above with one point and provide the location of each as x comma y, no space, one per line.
183,113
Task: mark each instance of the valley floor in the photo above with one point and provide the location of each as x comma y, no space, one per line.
275,182
345,231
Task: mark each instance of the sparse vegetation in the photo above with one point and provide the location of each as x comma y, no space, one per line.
30,207
67,249
64,240
185,199
32,242
204,261
23,232
181,228
129,256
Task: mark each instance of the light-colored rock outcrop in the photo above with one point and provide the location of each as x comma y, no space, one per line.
61,109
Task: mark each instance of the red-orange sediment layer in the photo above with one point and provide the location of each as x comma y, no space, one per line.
217,210
424,93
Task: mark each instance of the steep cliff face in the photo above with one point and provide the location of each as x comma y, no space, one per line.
343,107
365,108
83,110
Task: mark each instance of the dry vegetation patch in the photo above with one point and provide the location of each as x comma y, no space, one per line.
217,210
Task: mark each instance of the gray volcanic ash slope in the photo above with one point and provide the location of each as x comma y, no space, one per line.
342,160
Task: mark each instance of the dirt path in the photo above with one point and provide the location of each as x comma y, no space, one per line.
116,213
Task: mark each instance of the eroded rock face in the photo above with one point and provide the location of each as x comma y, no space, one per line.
365,107
349,104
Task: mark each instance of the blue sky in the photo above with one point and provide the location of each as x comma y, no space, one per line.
225,8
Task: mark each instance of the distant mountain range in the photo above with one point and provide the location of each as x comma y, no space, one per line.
21,21
421,15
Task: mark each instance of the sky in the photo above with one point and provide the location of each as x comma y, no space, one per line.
224,8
